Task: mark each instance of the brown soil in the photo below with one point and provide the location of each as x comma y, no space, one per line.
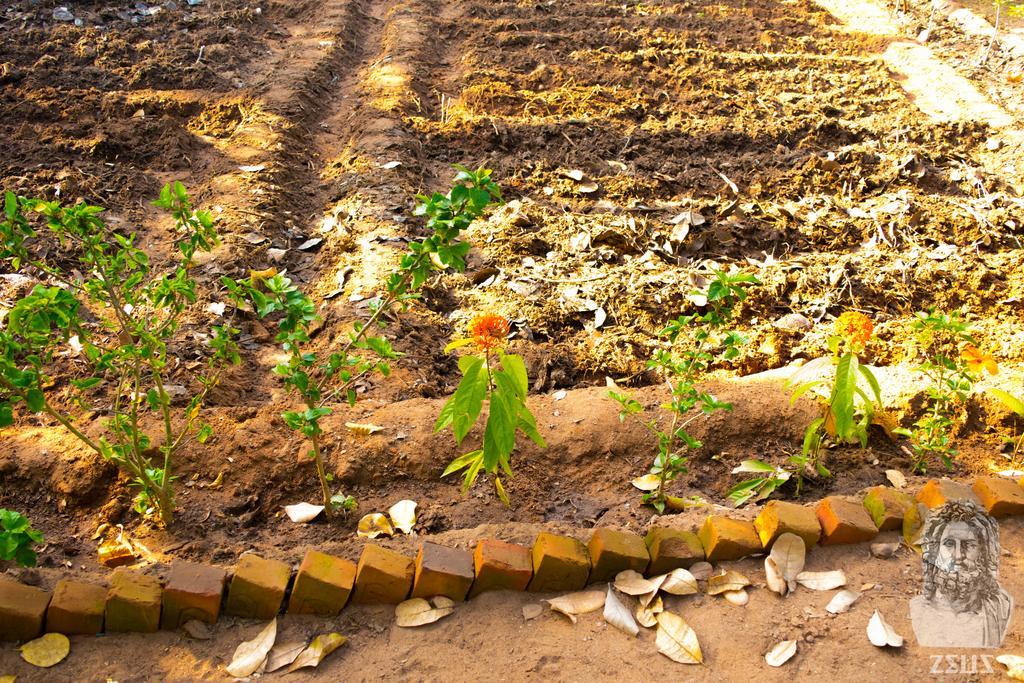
846,197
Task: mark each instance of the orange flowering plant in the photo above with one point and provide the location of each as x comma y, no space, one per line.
498,379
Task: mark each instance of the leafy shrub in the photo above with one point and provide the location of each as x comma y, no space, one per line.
17,538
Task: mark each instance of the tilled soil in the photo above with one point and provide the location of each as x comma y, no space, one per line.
754,134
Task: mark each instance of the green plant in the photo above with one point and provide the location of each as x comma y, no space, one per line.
682,370
120,319
1016,441
499,379
848,410
17,538
950,380
320,378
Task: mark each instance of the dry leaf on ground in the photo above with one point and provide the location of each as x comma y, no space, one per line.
648,482
676,640
373,525
701,570
841,601
822,581
789,553
403,515
633,583
283,654
8,679
300,513
616,614
362,429
896,478
881,634
729,581
647,612
781,653
1014,666
420,612
738,598
196,630
318,650
46,651
884,550
251,654
677,582
574,604
532,611
773,577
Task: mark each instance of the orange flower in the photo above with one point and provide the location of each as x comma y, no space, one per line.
854,327
977,360
488,331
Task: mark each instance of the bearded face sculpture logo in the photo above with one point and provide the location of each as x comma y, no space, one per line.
961,602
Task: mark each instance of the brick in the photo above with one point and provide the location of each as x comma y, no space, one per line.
323,585
1001,497
560,563
844,521
780,517
382,576
442,571
133,602
193,591
913,520
671,549
614,551
22,609
887,506
728,539
76,608
500,566
257,588
938,492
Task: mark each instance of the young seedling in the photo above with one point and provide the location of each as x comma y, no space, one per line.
17,538
110,312
1016,441
848,410
320,378
682,370
499,379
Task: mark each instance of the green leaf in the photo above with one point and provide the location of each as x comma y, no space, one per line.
516,368
803,389
35,400
461,461
843,390
502,420
501,492
872,382
464,407
1008,400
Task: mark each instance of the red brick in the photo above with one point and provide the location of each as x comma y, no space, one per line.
1001,497
382,576
133,602
500,566
938,492
76,608
560,563
22,609
672,549
779,517
442,571
887,506
844,521
322,586
257,588
193,592
614,551
728,539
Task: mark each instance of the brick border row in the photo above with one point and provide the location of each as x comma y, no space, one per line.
259,588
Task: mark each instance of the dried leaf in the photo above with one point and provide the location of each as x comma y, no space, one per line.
1014,666
896,478
251,654
648,482
822,581
532,611
251,169
781,653
789,553
729,581
841,601
738,598
310,243
616,614
46,651
318,650
420,612
677,582
373,525
8,679
403,515
881,634
647,613
773,577
281,655
884,550
300,513
701,570
574,604
573,173
196,630
676,640
867,586
588,187
363,429
633,583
